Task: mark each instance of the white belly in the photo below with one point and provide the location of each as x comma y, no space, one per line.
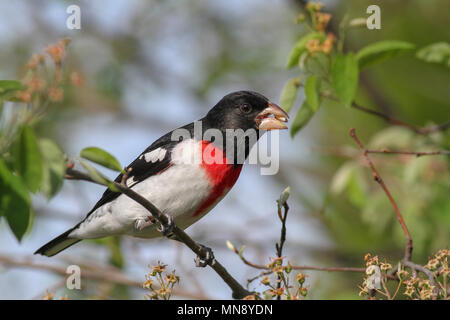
177,191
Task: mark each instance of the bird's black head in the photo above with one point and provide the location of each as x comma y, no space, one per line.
246,110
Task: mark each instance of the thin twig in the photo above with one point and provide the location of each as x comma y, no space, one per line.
349,153
262,274
279,246
398,122
330,269
395,121
418,267
377,178
412,153
398,287
388,294
239,292
428,273
109,274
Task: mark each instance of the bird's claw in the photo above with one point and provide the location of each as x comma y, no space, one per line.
167,229
205,257
143,223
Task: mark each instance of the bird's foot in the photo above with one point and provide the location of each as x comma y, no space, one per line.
143,223
205,257
167,229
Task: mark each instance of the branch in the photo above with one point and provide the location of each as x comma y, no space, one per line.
395,121
377,178
109,275
428,273
279,252
238,291
420,268
279,246
330,269
413,153
398,122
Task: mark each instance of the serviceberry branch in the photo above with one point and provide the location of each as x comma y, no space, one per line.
239,292
392,120
379,180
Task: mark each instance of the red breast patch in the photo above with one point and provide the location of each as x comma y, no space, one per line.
221,174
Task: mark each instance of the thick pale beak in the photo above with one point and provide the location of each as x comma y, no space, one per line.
271,118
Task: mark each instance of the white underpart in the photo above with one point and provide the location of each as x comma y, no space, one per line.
155,155
177,191
189,152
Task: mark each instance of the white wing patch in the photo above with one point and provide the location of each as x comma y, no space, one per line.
155,155
130,181
178,191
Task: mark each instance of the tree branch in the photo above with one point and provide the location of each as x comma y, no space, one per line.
377,178
398,122
279,246
413,153
395,121
239,292
418,267
348,153
263,267
109,275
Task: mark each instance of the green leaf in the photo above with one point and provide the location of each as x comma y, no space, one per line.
438,52
98,177
289,94
341,178
6,85
54,167
414,168
29,159
355,191
318,65
301,118
101,157
8,89
382,50
312,92
344,76
300,47
14,201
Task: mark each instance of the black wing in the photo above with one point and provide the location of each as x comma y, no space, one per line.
141,169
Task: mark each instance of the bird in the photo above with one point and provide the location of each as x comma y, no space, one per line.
166,175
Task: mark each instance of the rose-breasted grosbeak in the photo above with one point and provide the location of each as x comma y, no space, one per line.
167,174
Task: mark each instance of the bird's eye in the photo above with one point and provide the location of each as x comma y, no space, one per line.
246,108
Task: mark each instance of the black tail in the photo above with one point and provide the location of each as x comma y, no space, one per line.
57,245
